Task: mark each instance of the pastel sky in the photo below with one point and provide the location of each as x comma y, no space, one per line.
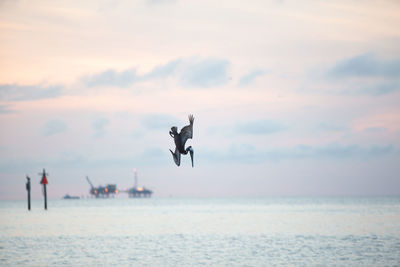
290,98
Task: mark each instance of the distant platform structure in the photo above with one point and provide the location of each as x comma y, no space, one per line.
70,197
139,192
102,191
111,190
136,191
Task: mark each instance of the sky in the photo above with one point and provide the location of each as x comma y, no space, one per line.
290,98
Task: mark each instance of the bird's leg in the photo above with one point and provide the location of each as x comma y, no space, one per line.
176,156
191,151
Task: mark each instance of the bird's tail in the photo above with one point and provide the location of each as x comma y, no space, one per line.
191,119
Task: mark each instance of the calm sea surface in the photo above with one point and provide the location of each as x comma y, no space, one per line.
194,232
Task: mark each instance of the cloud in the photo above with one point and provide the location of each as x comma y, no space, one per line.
162,71
365,65
16,92
191,73
250,77
379,89
242,153
360,75
153,156
154,153
54,127
361,88
160,2
247,153
259,127
159,121
375,130
111,78
324,126
99,126
4,109
205,73
128,77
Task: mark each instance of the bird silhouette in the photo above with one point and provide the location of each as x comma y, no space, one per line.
180,141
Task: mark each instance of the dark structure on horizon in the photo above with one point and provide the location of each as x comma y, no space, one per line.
44,182
67,196
28,189
102,191
111,190
136,191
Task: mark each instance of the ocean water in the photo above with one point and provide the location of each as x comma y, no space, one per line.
202,232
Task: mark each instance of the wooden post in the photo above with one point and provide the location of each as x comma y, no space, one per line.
28,188
45,196
44,183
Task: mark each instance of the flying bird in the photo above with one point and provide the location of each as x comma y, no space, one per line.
180,141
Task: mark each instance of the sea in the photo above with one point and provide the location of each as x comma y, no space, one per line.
267,231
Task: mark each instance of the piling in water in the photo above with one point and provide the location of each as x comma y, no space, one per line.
44,183
28,188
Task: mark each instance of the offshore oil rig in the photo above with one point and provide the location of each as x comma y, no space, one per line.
111,190
136,191
103,191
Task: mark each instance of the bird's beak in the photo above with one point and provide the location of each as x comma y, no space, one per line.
191,155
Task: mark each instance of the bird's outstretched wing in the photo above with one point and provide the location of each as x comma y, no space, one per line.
187,131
